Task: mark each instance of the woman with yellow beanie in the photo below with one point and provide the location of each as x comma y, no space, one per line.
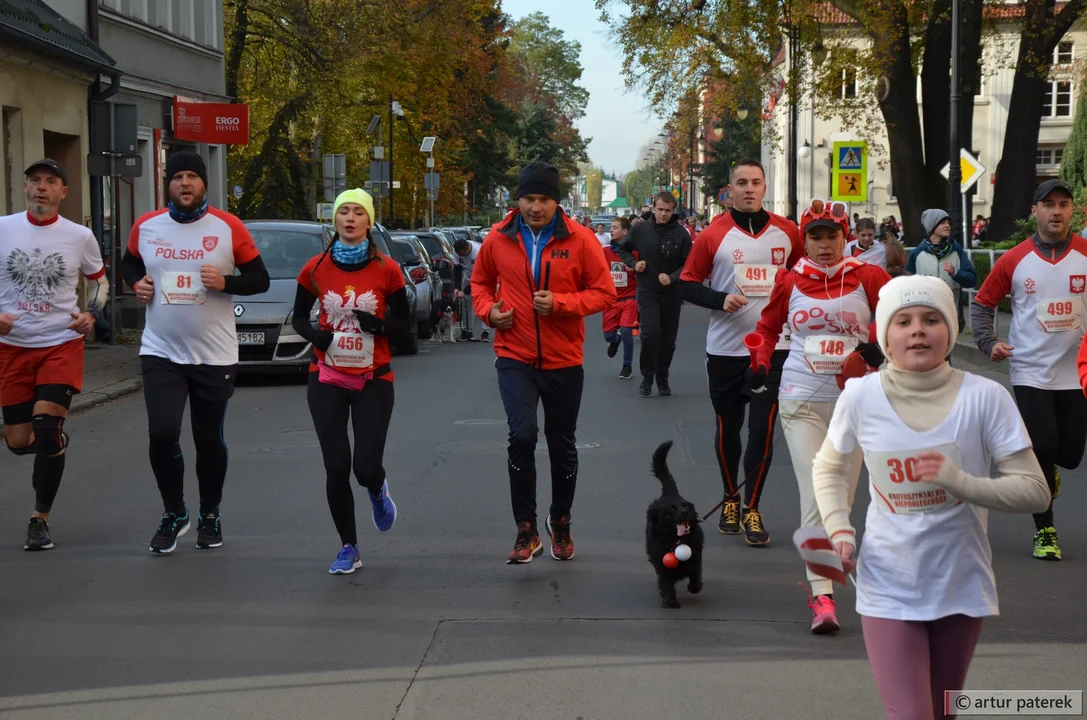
363,306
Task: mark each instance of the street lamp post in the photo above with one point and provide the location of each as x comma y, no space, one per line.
954,171
794,109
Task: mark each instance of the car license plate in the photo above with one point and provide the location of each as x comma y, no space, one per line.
250,338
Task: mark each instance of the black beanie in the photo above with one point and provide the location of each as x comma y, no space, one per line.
186,160
539,178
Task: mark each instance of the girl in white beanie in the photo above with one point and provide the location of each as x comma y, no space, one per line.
928,433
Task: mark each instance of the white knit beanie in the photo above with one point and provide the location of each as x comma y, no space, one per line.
913,290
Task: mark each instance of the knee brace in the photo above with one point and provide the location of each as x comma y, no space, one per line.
28,450
49,436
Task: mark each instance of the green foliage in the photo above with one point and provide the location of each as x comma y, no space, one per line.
739,139
1074,160
639,186
549,64
594,188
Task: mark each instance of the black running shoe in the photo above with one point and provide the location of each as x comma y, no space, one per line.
627,372
755,532
613,348
485,336
729,524
646,388
209,531
171,527
37,535
663,388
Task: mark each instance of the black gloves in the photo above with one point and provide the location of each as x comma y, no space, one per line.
871,353
322,339
755,379
369,323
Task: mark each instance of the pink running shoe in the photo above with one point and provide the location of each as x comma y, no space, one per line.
824,616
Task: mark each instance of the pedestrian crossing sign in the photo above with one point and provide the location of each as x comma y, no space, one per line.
850,171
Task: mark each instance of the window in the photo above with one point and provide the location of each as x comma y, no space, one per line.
849,83
1058,99
1062,54
1049,156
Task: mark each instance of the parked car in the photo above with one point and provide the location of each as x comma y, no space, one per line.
416,259
266,340
442,255
381,238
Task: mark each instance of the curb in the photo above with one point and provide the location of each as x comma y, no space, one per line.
970,353
88,400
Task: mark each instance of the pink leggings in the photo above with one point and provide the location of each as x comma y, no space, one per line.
915,662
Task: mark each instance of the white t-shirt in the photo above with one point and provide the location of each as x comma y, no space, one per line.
1048,309
875,255
186,323
737,262
924,554
469,261
39,272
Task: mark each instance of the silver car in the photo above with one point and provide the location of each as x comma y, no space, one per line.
266,340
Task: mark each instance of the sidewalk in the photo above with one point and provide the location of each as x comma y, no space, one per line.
109,371
967,349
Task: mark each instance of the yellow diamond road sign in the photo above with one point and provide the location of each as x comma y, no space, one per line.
971,168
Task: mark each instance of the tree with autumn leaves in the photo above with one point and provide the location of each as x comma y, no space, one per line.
496,94
673,49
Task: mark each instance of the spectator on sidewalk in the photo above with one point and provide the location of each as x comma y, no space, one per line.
940,256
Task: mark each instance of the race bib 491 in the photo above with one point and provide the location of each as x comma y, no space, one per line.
898,489
182,288
755,280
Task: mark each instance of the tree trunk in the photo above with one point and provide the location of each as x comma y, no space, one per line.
935,91
237,47
899,110
1017,170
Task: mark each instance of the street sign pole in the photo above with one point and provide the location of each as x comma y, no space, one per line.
954,178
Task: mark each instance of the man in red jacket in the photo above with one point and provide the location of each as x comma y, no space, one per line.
537,276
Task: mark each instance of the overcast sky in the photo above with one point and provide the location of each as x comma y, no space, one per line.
617,122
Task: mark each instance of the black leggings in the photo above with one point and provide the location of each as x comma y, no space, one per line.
370,409
166,388
727,377
1056,421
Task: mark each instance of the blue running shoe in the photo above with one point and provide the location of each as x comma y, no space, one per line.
347,561
384,508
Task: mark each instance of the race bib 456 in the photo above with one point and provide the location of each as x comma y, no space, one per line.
898,489
351,350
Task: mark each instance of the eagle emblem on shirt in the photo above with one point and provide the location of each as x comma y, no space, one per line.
778,256
1076,283
36,276
339,309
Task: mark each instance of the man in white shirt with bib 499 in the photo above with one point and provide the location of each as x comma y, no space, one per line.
1045,275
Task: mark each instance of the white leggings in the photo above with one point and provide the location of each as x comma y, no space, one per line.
805,427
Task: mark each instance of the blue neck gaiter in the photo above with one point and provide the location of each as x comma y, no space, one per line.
351,255
187,217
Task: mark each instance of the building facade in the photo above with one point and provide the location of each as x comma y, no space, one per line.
817,135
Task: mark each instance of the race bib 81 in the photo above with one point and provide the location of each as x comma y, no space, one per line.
897,486
182,288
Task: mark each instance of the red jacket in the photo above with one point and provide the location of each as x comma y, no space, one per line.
573,268
1082,362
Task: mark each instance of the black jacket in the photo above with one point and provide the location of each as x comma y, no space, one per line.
664,249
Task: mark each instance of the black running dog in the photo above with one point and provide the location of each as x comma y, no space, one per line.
669,521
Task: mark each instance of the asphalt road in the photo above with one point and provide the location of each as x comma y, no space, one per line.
435,624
